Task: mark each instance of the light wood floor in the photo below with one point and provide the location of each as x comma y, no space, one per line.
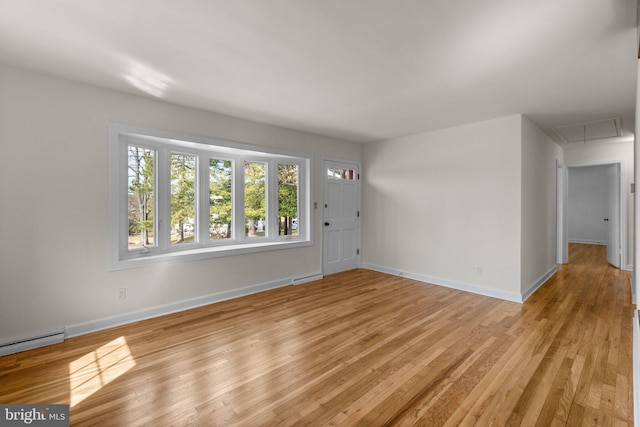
357,348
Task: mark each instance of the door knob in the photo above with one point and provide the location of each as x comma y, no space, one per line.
606,219
326,224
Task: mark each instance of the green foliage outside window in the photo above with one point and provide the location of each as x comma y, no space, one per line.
141,187
183,196
254,196
220,199
287,199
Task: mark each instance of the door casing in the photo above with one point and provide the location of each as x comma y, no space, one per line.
562,203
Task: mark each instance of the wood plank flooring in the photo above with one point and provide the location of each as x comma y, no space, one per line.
356,348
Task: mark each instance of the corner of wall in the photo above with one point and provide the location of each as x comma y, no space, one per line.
539,157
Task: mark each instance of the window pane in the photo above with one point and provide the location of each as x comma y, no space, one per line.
335,173
255,198
220,205
141,197
287,200
183,198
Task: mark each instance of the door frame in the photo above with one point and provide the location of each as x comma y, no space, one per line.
562,229
613,230
323,170
562,235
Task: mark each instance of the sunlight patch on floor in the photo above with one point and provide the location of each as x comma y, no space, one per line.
94,370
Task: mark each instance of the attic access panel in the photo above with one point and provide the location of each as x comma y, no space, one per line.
589,131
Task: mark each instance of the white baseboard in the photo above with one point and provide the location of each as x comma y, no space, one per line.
149,313
307,279
27,343
17,345
587,241
541,281
494,293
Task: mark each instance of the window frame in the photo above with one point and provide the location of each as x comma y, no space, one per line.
165,143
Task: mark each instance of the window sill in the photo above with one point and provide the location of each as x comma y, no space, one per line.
206,253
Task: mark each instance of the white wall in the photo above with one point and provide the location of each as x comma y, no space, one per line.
441,204
588,204
54,243
634,255
538,252
592,154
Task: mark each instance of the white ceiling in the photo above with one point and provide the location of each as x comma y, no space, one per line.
360,70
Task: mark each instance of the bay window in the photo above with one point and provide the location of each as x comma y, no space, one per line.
174,197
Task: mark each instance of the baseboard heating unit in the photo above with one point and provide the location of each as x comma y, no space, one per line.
27,343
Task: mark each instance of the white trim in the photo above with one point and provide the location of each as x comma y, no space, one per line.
588,242
17,345
149,313
151,134
562,190
207,253
307,279
636,369
541,281
467,287
623,184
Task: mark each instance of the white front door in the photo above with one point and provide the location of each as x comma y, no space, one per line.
341,218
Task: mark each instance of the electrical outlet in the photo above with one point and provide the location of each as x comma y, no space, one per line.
122,294
479,270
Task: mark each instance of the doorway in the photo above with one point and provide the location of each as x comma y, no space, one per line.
591,209
341,216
